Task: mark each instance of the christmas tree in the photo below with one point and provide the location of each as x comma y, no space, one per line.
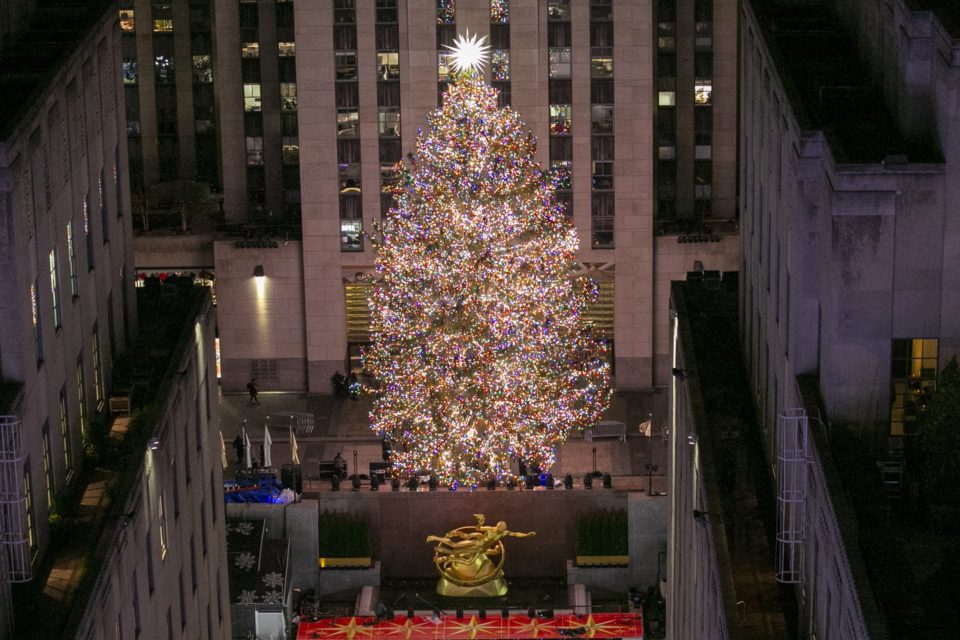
479,349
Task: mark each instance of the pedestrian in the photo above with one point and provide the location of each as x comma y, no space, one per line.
252,388
239,447
339,385
339,466
353,386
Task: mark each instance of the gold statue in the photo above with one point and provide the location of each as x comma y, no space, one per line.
463,558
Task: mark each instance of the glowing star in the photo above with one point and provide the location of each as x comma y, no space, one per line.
468,53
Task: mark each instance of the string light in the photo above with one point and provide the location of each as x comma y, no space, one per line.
479,349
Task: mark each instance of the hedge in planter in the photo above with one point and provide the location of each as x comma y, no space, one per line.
602,538
344,540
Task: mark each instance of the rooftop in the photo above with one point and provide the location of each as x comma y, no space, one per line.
30,63
732,457
830,87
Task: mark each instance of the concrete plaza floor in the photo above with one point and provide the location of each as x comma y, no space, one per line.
342,425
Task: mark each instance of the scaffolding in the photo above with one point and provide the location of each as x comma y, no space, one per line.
791,493
13,508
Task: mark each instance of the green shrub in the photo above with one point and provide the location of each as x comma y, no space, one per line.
602,533
343,535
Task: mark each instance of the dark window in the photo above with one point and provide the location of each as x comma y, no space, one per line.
558,34
503,100
500,36
388,94
601,91
390,150
446,34
560,91
386,10
387,37
561,149
601,34
347,94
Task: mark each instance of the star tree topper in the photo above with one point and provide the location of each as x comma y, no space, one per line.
469,53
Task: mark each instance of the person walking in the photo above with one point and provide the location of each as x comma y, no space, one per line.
238,446
252,388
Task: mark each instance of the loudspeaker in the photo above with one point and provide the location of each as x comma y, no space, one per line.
549,482
482,614
395,485
491,484
531,613
374,483
355,482
459,614
530,481
433,483
607,481
568,481
588,481
413,483
505,613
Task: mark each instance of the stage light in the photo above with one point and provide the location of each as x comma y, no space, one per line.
374,483
432,483
568,482
413,483
505,613
588,481
395,485
355,482
549,482
530,481
607,481
491,484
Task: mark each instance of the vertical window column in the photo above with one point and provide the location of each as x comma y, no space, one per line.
204,118
252,107
348,124
560,99
601,132
290,138
388,99
166,91
666,118
446,34
130,75
500,49
703,109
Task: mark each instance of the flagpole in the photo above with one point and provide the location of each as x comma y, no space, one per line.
650,457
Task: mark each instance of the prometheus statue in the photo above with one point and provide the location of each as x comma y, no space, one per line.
464,559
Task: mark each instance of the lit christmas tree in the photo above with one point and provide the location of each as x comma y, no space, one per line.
479,349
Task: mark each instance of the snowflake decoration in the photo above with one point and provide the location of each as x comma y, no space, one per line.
243,528
273,580
273,597
468,53
247,596
245,561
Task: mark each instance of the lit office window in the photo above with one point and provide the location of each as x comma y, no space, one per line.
254,150
388,65
389,122
560,119
288,96
250,50
251,97
37,327
351,223
348,123
72,262
287,49
55,288
127,20
559,60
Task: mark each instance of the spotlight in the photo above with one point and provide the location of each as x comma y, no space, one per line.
545,614
335,483
395,485
482,614
374,483
383,612
491,484
607,481
410,613
355,482
588,481
433,483
505,613
258,271
511,484
154,444
568,482
549,481
530,481
531,613
413,483
459,614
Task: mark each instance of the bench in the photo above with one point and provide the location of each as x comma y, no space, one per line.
606,429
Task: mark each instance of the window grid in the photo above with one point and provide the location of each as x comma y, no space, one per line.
602,222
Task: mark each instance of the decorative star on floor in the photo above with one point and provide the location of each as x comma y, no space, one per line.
475,627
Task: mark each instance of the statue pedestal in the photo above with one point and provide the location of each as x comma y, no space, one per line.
490,589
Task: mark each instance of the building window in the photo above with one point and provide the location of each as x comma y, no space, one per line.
55,288
97,367
65,432
601,118
287,49
444,69
559,58
388,65
28,505
88,232
558,10
500,65
345,65
561,174
127,20
104,210
601,219
162,525
203,69
560,119
47,464
344,12
72,262
37,326
348,123
254,150
390,122
251,98
351,223
913,377
288,96
601,63
82,399
290,153
500,11
446,12
129,68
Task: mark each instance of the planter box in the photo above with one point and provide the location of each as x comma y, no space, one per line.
346,582
602,581
603,561
345,563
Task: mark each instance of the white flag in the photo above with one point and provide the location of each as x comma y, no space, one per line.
248,446
646,428
267,441
223,452
294,448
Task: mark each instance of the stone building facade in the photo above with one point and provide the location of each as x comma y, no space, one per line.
316,106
